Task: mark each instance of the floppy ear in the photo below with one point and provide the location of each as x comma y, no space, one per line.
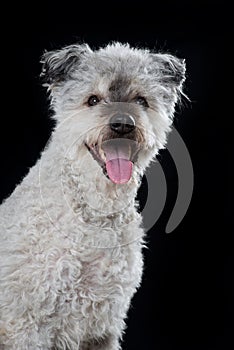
169,69
58,65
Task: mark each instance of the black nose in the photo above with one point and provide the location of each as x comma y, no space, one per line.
122,123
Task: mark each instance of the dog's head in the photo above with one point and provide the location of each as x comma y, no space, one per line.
117,102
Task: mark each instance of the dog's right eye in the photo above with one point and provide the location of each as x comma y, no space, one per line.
93,100
142,101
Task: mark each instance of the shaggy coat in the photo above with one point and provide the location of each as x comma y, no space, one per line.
71,237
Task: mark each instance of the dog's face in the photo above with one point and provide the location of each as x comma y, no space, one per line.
119,103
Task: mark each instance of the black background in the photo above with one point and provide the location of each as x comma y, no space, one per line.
185,298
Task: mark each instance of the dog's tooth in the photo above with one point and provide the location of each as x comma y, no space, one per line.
102,154
100,151
129,150
100,141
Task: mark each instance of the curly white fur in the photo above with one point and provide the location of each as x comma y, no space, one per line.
71,240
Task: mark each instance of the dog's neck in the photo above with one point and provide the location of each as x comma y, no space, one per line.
81,186
88,189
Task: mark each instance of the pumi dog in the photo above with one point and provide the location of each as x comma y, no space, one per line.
71,232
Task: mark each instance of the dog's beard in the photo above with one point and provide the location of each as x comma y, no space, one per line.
116,156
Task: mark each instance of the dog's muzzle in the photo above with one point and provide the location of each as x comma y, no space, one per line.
122,123
118,149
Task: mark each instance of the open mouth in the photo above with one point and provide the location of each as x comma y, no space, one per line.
116,158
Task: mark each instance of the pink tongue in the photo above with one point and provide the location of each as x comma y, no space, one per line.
119,170
118,164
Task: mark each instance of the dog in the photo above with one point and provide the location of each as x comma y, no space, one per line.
71,232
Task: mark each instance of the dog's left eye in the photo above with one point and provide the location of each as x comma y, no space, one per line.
142,101
93,100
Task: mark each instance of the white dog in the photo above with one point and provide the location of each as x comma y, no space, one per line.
71,235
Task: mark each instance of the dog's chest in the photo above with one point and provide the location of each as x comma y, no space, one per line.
102,291
103,271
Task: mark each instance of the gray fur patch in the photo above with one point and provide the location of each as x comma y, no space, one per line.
119,89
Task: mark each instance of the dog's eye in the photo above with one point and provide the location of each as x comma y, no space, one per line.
142,101
93,100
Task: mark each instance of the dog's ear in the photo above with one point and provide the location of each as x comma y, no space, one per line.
169,69
57,66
